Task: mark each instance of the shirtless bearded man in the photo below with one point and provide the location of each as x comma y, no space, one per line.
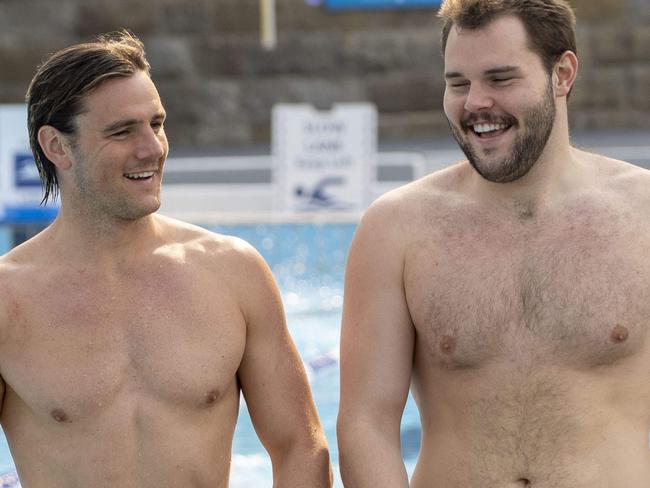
126,337
510,291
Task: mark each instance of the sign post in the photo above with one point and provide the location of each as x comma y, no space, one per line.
324,160
268,27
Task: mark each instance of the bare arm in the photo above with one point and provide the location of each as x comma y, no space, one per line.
275,386
376,355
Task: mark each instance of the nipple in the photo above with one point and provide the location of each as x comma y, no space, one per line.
59,415
447,344
619,334
211,397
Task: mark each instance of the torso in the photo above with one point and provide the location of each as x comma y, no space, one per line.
532,340
123,377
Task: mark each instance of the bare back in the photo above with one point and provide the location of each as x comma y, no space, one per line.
124,375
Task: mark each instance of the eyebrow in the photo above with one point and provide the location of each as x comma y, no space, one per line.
453,74
501,69
120,124
491,71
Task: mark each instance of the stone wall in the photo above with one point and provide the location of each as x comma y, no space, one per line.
219,85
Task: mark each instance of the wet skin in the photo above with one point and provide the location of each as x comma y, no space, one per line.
126,337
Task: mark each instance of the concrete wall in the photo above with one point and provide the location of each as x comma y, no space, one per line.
219,85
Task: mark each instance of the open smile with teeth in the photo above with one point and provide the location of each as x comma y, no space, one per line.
483,130
139,176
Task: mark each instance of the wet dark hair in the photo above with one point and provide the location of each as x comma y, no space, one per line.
549,24
56,93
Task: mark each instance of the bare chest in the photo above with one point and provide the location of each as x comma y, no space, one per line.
75,346
578,296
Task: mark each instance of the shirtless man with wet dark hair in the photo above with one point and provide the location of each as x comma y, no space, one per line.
511,291
126,337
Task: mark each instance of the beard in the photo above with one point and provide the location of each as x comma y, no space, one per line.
528,145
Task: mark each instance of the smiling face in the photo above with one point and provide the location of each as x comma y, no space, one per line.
499,100
119,149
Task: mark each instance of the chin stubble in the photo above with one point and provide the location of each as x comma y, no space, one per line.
527,148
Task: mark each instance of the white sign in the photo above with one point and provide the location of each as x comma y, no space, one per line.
324,160
20,184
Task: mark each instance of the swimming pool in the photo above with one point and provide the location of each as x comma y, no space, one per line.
308,261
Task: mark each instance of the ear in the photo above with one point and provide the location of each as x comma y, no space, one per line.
565,72
56,147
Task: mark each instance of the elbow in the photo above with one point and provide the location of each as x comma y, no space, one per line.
359,431
345,434
318,456
305,463
324,466
350,421
349,441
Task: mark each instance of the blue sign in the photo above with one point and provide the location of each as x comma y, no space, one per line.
29,215
380,4
25,171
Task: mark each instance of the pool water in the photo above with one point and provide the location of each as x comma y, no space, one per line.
308,262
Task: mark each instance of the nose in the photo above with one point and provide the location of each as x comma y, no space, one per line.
478,98
153,145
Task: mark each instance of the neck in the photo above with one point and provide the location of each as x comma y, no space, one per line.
102,240
556,171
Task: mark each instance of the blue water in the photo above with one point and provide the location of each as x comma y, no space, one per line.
308,261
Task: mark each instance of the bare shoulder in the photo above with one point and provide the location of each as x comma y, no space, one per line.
18,265
199,242
223,262
405,219
430,199
6,269
10,278
628,183
634,179
218,255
